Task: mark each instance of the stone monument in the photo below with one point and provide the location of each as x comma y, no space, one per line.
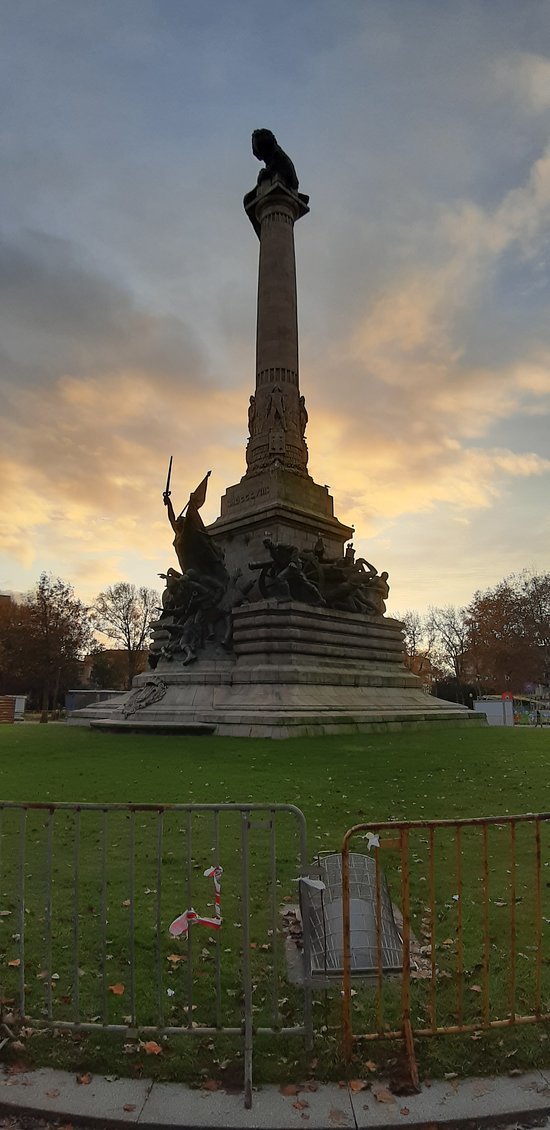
270,626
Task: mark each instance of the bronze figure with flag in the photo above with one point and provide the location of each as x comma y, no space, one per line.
194,548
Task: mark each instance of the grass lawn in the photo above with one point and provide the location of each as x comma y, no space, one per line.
337,782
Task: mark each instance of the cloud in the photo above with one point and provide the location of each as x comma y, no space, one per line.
98,393
525,77
127,273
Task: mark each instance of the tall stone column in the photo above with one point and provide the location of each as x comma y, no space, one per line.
277,414
276,496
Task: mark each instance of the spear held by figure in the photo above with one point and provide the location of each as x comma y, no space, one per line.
167,491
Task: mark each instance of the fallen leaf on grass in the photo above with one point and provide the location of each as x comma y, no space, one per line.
129,1106
117,990
371,1065
150,1047
448,942
475,988
356,1085
15,962
211,1085
382,1095
174,958
84,1079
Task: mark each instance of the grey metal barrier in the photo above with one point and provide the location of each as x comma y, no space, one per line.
88,892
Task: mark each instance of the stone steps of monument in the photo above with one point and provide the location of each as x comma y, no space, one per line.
327,620
288,643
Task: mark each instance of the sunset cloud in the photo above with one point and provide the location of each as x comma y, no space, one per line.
128,276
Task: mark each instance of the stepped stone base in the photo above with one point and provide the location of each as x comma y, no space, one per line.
295,671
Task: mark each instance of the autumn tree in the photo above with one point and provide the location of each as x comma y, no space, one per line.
535,589
418,638
43,638
124,613
448,627
509,633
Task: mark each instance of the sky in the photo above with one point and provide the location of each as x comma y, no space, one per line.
128,272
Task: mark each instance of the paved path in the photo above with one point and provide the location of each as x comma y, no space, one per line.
41,1099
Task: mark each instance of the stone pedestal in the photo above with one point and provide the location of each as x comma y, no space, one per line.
282,505
295,671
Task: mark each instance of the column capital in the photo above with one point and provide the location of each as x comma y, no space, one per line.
273,195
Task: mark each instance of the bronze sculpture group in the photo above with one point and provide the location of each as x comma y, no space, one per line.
199,599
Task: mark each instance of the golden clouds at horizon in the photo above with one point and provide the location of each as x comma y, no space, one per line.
406,426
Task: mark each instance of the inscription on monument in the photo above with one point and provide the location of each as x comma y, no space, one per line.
238,499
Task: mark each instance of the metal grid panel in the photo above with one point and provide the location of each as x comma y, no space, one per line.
324,912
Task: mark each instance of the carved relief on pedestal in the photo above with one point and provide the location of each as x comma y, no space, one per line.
252,414
276,416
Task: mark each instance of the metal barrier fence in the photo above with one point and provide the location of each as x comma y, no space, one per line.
473,907
89,891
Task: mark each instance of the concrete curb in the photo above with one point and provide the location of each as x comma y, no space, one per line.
54,1095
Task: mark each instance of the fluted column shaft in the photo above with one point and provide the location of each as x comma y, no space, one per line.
277,315
277,415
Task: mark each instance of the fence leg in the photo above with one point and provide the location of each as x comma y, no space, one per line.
411,1057
247,986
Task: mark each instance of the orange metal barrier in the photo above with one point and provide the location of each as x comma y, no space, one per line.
478,860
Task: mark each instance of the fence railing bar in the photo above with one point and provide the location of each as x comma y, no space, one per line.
21,908
274,921
76,918
486,931
92,806
2,991
306,941
103,932
132,913
378,918
169,1030
48,913
405,891
464,822
433,964
452,1029
459,939
158,918
189,903
217,950
538,920
347,1035
247,983
513,939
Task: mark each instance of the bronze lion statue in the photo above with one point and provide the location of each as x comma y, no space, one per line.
277,163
